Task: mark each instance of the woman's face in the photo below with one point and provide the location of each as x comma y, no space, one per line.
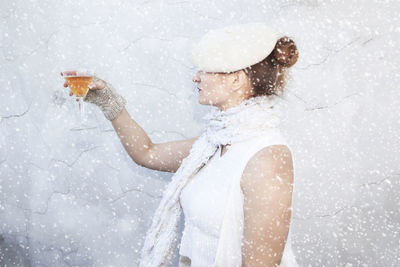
218,89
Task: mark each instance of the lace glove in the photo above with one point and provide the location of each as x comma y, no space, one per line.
107,99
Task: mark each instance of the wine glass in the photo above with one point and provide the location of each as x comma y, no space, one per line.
78,81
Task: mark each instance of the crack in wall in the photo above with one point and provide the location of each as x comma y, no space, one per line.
324,215
189,67
333,104
136,190
159,88
134,41
307,103
379,182
16,115
40,44
76,159
332,53
64,253
345,207
129,190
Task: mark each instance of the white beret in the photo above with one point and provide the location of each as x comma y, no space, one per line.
234,47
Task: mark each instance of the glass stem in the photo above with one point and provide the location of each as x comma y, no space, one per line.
81,110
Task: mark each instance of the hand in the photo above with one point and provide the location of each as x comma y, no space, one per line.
96,84
101,94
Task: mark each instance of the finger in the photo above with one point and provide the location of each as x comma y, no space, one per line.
68,72
70,94
97,85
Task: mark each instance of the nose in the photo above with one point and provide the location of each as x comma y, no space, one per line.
196,78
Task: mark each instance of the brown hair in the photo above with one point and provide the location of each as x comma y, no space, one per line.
268,76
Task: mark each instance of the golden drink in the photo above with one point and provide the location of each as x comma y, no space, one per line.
79,85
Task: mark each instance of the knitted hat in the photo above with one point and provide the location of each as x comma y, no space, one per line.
234,47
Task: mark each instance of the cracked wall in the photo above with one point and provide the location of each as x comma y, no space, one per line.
75,198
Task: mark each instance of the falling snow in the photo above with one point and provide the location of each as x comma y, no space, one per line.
76,198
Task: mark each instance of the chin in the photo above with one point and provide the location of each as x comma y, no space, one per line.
205,101
202,101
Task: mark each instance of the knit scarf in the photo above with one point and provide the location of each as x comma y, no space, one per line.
253,117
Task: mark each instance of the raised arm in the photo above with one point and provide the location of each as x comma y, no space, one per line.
161,157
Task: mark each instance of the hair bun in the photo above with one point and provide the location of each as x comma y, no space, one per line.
285,52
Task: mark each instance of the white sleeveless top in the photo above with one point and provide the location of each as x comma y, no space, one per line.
209,234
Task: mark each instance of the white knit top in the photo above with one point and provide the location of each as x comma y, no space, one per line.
205,198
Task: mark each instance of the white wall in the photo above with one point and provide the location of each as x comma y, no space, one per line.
76,198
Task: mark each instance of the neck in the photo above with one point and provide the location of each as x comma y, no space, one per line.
231,102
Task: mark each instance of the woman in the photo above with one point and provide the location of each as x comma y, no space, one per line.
234,182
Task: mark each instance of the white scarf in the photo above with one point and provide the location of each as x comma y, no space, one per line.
253,117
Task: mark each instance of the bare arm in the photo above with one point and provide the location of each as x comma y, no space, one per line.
267,188
161,157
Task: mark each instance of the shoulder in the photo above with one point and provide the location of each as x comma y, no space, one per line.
270,156
270,164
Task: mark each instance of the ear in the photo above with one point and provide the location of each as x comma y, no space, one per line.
239,80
